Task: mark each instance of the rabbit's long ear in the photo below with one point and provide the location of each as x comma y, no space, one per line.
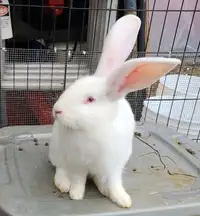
118,43
137,74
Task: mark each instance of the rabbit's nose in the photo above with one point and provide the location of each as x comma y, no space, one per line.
58,112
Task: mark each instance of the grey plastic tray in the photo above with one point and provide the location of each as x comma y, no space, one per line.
26,186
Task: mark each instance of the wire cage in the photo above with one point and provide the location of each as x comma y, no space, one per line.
63,42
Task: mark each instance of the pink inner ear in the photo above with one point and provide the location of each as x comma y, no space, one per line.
131,78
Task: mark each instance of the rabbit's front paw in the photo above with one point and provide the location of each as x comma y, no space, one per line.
77,191
61,180
119,196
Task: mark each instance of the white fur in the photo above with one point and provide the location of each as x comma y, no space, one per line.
99,147
96,139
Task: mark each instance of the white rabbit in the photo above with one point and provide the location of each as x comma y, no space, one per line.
94,124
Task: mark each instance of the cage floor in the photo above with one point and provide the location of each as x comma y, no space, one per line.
26,179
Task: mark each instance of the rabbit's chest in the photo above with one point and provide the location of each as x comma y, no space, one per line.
82,148
95,150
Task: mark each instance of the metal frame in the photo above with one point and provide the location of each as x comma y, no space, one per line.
3,118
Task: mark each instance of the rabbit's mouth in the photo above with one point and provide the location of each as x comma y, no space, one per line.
68,122
72,126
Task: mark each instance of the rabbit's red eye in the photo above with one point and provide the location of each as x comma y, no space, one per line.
89,100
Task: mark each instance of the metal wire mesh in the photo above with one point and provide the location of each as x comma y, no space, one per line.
174,100
33,79
34,74
43,69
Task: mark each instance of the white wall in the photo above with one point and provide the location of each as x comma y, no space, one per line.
171,25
